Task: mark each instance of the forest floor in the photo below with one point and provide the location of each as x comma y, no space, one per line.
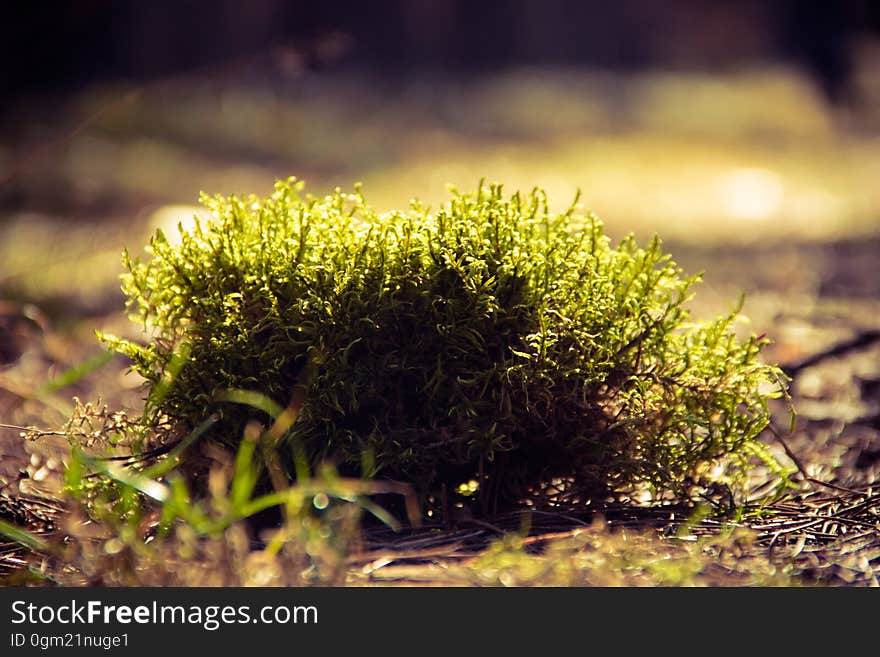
781,205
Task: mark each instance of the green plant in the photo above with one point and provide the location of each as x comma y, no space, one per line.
490,341
601,555
137,519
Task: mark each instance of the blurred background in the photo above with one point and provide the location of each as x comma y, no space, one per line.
745,133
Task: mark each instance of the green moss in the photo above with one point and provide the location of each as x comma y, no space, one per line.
491,340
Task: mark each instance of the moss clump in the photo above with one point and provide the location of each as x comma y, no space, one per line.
492,340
